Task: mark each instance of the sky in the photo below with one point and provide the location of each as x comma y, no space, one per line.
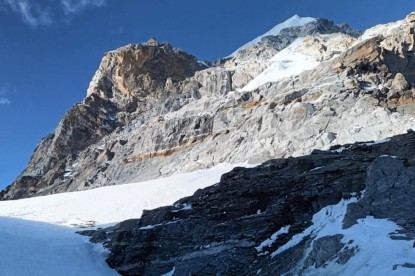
50,49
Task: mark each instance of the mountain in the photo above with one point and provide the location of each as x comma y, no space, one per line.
299,100
290,23
152,110
282,34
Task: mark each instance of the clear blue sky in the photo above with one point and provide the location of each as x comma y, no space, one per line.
50,49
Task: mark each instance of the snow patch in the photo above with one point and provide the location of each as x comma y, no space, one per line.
327,220
316,168
170,273
186,206
273,238
288,62
376,142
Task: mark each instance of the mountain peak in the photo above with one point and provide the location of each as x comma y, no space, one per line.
294,21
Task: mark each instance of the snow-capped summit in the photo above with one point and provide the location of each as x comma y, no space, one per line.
294,21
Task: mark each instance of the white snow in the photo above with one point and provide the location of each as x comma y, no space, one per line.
187,206
317,168
113,204
375,254
268,242
392,156
294,21
382,141
340,150
170,273
378,254
34,248
67,174
286,63
376,142
37,235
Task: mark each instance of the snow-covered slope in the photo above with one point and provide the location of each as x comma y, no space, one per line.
37,235
288,62
112,204
294,21
368,239
35,248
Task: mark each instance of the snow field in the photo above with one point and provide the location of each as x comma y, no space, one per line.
38,235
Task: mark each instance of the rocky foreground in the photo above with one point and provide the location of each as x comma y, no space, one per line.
152,110
259,221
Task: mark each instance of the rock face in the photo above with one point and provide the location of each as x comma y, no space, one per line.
242,225
389,193
129,82
152,110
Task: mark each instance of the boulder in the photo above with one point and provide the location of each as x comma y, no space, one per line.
399,83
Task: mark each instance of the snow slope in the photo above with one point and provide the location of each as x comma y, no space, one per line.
375,252
286,63
294,21
37,235
34,248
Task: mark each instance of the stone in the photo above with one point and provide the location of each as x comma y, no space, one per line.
399,83
324,250
394,94
152,42
390,193
410,17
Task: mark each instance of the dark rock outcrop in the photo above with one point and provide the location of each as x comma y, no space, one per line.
390,193
217,231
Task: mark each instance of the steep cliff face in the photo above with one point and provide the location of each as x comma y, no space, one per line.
130,81
134,77
152,110
300,216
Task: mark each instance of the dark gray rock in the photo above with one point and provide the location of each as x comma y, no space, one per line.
389,193
324,249
219,234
